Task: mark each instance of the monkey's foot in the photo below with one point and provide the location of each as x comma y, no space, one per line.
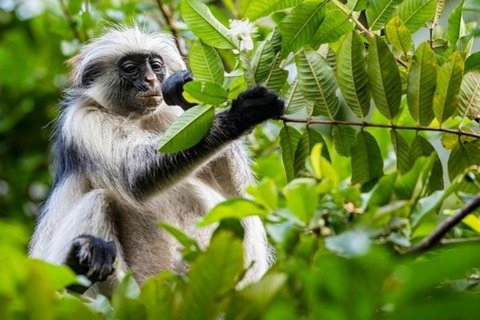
92,257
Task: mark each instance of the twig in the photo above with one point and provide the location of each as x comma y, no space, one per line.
436,236
360,25
169,18
71,23
460,240
379,125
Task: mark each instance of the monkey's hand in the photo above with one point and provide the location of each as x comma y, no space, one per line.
92,257
255,106
172,89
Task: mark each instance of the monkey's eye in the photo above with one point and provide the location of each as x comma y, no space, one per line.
156,65
129,68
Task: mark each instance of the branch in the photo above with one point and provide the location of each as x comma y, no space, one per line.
460,240
379,125
360,26
169,18
71,23
436,236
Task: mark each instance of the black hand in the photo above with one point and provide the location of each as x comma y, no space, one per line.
172,89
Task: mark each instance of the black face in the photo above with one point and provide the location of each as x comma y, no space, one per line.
138,90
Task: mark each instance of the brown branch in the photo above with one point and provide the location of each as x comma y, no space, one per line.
171,23
71,23
379,125
436,236
360,25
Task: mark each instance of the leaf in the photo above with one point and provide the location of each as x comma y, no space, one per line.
385,82
367,162
469,97
308,139
402,151
205,92
472,62
356,5
211,277
317,82
379,11
265,193
382,192
276,76
449,80
237,208
185,240
301,198
205,63
205,26
438,11
399,35
455,26
462,157
263,58
342,139
471,220
300,25
352,74
255,9
410,184
289,138
421,85
350,244
422,148
415,13
187,130
335,25
294,100
322,169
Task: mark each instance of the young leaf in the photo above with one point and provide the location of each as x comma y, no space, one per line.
205,26
310,137
402,151
335,25
205,63
399,35
289,138
300,25
385,82
415,13
379,11
317,82
438,12
265,193
449,80
342,139
205,92
352,74
301,198
469,97
261,8
188,129
421,85
367,162
237,208
462,157
455,26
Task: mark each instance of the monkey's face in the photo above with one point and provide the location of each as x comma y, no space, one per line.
137,91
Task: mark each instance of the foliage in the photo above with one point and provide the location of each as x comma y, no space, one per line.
379,147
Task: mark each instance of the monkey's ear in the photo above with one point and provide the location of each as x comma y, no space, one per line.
74,74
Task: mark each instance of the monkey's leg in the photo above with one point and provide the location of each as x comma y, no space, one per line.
86,240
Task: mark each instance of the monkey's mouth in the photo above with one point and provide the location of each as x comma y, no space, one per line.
152,98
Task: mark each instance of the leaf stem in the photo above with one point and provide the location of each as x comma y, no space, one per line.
71,22
360,25
171,23
436,236
380,125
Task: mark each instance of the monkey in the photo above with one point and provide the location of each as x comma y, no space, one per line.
111,185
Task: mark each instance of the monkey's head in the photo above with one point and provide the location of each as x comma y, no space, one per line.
123,69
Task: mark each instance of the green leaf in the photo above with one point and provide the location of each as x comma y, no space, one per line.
438,12
356,5
125,302
399,35
402,151
276,76
205,26
301,198
333,27
263,58
317,82
472,62
289,138
462,157
455,26
352,243
255,9
310,137
300,25
188,129
211,277
205,92
382,192
185,240
469,97
379,11
205,63
367,162
342,139
421,85
415,13
157,295
385,82
237,208
265,193
294,100
422,148
410,185
449,80
352,74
